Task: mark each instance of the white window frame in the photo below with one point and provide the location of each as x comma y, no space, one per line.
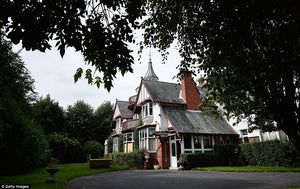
115,144
144,139
126,141
193,149
147,109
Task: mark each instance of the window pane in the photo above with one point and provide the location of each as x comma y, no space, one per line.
207,141
129,137
152,144
150,131
150,109
173,149
129,147
197,142
187,142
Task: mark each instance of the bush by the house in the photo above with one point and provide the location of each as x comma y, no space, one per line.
132,160
228,154
66,150
93,148
23,144
269,153
136,141
192,160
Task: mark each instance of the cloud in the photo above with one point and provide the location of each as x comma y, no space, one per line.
54,75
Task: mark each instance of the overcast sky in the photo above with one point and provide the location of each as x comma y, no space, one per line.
54,75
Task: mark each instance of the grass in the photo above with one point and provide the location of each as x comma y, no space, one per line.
248,169
67,172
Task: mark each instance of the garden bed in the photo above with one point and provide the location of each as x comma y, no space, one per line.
100,163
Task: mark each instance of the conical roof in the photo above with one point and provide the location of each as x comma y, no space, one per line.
150,75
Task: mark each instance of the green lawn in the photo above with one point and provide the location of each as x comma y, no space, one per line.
67,172
248,169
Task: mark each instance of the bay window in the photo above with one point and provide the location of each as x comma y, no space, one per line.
197,143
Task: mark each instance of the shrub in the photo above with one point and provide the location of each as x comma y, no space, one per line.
269,153
66,150
132,160
136,141
192,160
23,143
228,154
94,148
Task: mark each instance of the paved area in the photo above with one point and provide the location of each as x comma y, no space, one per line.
164,179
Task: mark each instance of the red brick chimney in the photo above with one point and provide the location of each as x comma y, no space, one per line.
190,92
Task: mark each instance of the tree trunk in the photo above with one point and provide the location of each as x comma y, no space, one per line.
294,135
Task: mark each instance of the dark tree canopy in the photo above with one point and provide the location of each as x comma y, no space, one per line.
15,81
48,114
100,30
103,116
249,51
80,121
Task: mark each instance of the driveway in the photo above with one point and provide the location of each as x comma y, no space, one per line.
164,179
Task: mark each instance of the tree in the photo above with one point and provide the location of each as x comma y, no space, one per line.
100,30
23,144
103,116
249,51
15,80
48,114
80,121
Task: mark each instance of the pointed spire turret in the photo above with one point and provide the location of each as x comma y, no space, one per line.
150,75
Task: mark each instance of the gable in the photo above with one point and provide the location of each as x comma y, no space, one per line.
117,112
143,94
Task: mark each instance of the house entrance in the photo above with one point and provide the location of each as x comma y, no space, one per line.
173,152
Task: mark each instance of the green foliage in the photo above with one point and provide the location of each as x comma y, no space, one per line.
66,150
244,49
134,159
93,148
136,141
47,113
23,143
192,160
15,81
103,116
269,153
80,122
140,122
110,145
229,154
120,143
99,30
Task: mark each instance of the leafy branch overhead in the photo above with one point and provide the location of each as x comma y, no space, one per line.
99,30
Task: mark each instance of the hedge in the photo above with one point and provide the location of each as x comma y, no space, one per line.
132,160
266,153
269,153
229,154
192,160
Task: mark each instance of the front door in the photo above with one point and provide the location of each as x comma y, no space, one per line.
173,153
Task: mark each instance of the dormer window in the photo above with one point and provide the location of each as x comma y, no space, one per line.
147,109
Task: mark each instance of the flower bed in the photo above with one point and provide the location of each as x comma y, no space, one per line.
100,163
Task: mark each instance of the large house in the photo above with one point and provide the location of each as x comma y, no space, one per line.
168,120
